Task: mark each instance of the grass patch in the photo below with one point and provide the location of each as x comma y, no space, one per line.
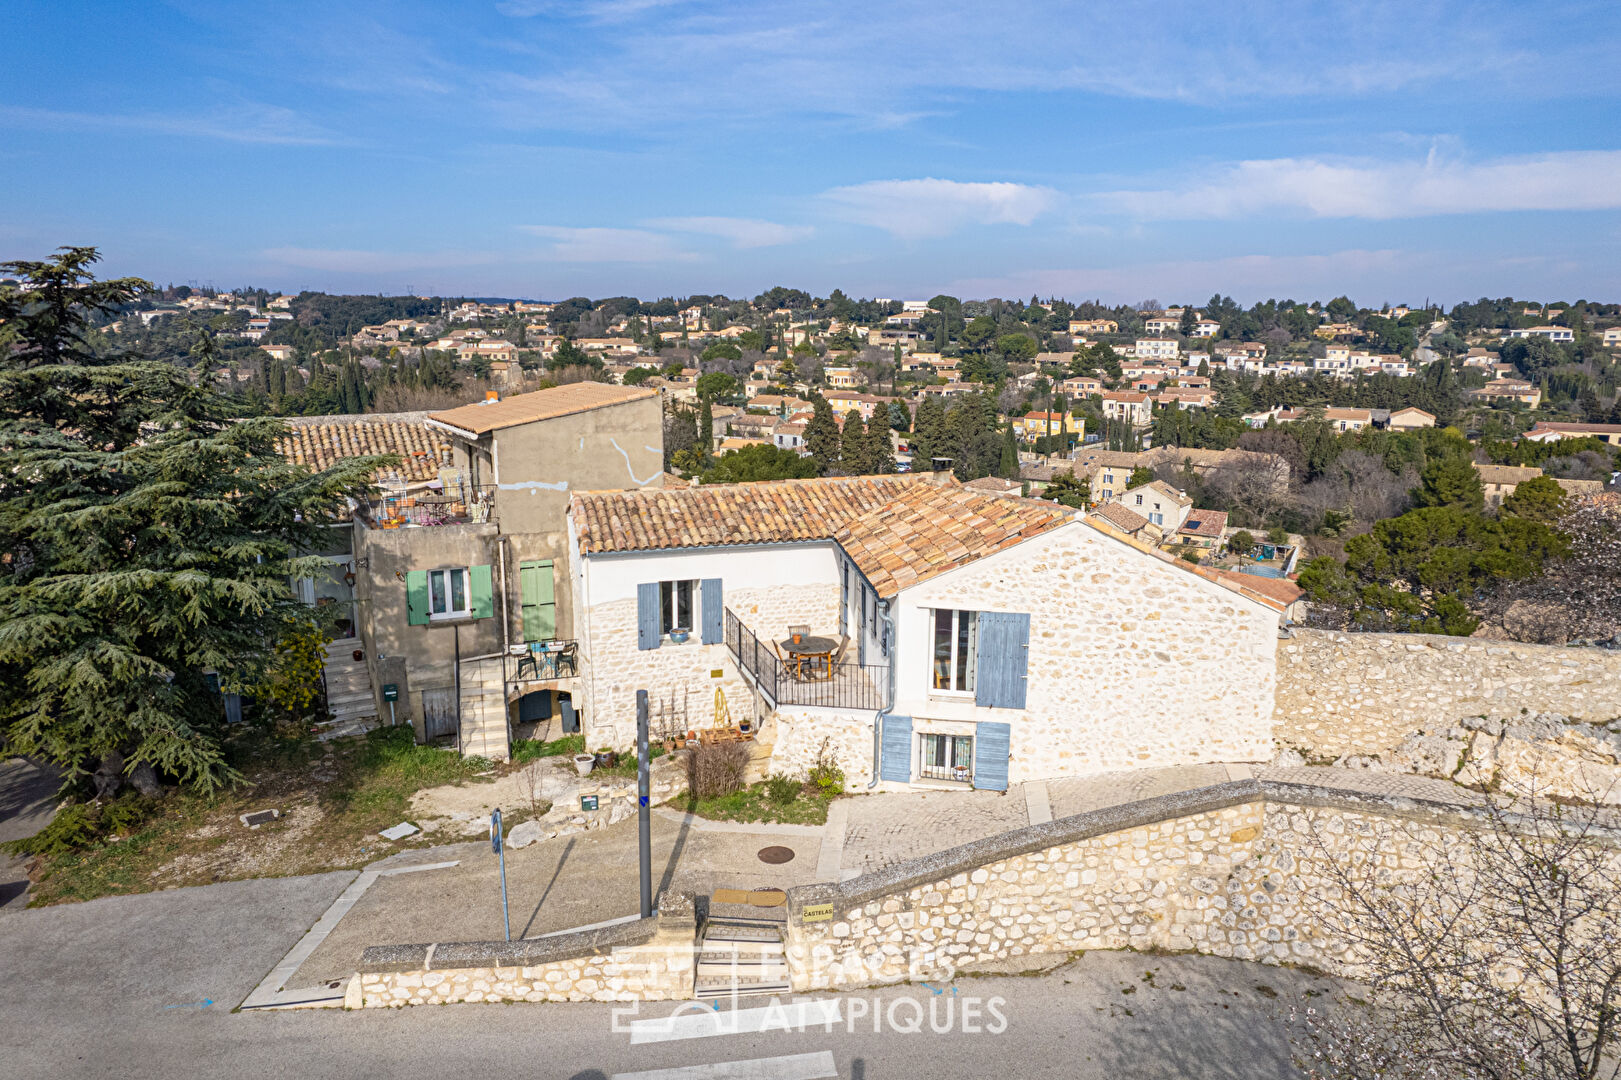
755,803
527,750
334,797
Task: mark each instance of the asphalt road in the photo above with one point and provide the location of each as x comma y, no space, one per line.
27,800
142,986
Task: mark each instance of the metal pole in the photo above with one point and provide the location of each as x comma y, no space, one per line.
644,812
497,842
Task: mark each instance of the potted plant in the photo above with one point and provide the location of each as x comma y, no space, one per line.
606,758
679,636
745,726
960,772
583,763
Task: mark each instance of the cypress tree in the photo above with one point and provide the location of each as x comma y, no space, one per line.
853,444
880,452
152,539
822,436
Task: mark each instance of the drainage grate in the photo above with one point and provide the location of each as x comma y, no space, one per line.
776,854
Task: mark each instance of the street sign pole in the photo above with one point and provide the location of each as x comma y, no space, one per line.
644,811
500,850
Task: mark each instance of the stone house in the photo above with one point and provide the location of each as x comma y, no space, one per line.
1164,506
1203,529
459,563
964,625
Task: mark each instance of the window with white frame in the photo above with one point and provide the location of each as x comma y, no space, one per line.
448,595
678,608
954,662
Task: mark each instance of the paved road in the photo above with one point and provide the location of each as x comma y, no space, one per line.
1424,354
27,800
116,988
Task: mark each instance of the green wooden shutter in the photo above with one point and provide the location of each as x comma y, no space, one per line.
416,597
539,600
478,588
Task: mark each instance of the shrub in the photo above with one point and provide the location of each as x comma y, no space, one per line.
717,769
82,826
781,789
825,773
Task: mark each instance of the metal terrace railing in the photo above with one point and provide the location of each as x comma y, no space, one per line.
853,687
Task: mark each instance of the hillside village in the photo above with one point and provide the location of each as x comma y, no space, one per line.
808,586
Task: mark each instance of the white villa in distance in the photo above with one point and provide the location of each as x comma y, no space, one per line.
982,640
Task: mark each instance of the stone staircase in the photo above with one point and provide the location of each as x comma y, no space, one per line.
484,709
741,955
348,692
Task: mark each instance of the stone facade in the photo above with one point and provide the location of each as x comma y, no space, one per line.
1224,871
1364,693
1133,661
680,678
801,733
649,960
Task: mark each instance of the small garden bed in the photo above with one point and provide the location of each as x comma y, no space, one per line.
755,803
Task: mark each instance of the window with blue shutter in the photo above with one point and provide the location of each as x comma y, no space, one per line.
1003,659
895,749
991,756
710,607
647,615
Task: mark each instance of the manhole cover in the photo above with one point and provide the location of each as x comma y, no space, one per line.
775,855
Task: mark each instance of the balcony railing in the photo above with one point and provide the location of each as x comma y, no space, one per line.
854,687
457,503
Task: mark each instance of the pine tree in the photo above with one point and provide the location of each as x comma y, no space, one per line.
152,539
853,444
822,436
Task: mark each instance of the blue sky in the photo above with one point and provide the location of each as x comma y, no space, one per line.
1393,151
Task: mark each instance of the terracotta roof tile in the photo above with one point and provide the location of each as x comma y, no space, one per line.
1121,518
768,512
482,417
930,529
322,441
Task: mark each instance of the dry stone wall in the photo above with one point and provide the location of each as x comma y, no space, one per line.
1225,870
648,960
1343,693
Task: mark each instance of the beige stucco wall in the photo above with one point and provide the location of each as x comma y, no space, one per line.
429,651
1133,662
1364,693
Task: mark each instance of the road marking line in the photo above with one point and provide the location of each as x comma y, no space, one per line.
795,1016
792,1067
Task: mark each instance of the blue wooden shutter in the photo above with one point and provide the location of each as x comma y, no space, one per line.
647,615
416,597
711,606
1003,659
480,592
895,749
991,756
844,598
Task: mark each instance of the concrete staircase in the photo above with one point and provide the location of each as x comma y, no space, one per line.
484,709
739,957
348,692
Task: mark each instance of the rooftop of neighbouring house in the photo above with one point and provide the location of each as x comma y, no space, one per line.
930,529
765,512
1128,521
322,441
1205,523
483,417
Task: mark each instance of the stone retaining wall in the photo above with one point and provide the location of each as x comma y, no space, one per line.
1364,693
1223,870
645,960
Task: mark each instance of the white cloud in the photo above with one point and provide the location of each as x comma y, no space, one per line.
930,207
598,245
1571,180
742,232
269,124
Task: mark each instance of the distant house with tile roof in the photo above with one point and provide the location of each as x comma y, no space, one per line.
950,628
1203,528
